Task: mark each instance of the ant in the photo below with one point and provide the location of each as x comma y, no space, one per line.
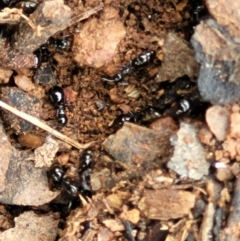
136,64
56,95
28,7
74,184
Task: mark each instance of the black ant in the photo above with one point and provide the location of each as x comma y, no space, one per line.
146,115
56,95
28,7
73,185
136,64
62,44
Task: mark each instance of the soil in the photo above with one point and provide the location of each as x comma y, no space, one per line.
157,142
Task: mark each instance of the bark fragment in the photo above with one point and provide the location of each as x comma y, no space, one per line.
166,204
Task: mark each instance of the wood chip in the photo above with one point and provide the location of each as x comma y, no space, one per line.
166,204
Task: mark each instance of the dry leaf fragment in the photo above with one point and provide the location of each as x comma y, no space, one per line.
45,154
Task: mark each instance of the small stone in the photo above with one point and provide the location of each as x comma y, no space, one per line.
217,118
218,154
230,146
165,125
224,174
188,159
136,145
24,83
205,136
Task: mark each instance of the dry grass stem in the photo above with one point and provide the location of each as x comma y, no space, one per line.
45,127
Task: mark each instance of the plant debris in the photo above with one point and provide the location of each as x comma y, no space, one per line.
161,204
120,120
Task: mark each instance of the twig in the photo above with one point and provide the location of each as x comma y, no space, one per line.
45,127
84,15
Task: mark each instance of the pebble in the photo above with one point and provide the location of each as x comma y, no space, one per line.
217,118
